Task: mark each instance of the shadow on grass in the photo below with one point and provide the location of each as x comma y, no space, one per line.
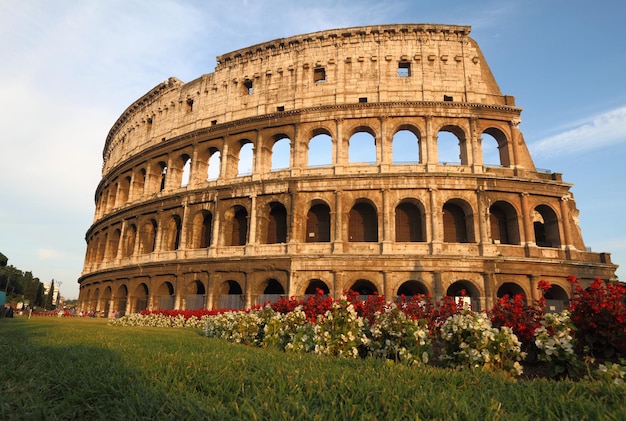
48,370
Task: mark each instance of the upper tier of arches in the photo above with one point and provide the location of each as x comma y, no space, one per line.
387,64
366,145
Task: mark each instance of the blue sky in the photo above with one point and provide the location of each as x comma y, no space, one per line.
69,68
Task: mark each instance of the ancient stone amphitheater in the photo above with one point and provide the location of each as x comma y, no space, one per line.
379,159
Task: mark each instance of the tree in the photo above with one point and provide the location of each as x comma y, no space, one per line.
49,299
3,260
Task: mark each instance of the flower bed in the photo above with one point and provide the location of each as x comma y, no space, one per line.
418,331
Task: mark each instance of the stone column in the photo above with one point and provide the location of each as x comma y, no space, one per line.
338,226
183,227
252,225
432,156
386,227
384,144
438,293
341,147
435,214
120,245
529,231
567,234
215,230
483,217
513,124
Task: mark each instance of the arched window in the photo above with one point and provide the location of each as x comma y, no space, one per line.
121,297
546,226
147,237
195,300
495,148
318,224
213,170
364,288
281,152
236,226
124,190
245,158
102,243
202,230
314,285
163,176
320,150
363,223
139,182
456,224
362,148
206,230
451,146
231,295
276,224
166,297
556,299
511,289
409,223
273,291
130,237
503,223
141,298
405,147
186,175
114,243
464,292
171,236
411,288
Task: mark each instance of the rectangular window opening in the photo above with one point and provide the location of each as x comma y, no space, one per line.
280,108
319,75
363,99
248,85
404,69
447,98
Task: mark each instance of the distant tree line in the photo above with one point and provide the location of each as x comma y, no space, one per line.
20,285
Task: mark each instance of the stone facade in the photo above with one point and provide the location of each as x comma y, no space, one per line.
254,181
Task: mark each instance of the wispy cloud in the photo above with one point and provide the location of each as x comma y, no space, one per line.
600,131
47,254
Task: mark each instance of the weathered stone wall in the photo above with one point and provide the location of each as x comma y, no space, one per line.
169,232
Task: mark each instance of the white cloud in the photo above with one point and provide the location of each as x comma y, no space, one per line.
598,132
47,254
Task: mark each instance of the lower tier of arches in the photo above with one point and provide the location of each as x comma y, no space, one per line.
243,283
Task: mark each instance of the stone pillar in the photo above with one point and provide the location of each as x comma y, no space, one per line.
120,245
567,233
339,231
384,144
438,293
475,152
513,124
183,227
435,215
198,170
489,282
208,305
529,230
483,217
179,301
252,225
215,230
386,228
432,157
534,287
341,146
158,235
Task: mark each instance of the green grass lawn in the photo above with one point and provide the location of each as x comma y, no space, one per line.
83,369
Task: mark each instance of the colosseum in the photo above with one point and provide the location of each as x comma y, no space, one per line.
380,159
